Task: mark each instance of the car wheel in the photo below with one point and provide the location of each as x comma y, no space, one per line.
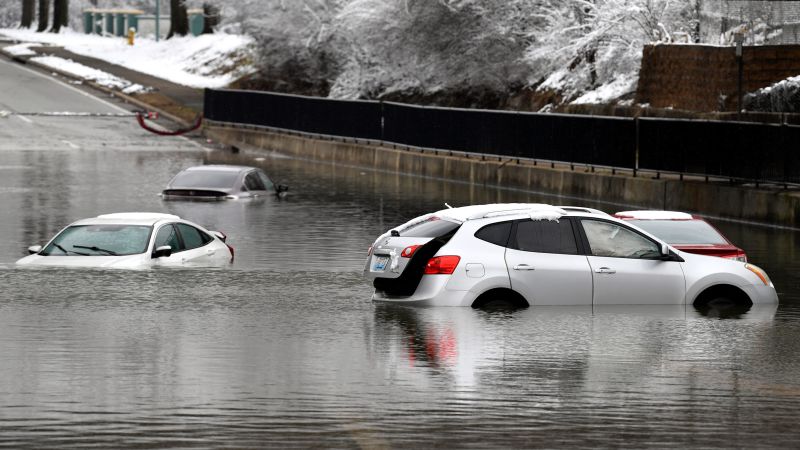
723,308
500,299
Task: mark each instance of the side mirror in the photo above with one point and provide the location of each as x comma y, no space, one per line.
162,252
664,250
34,249
280,189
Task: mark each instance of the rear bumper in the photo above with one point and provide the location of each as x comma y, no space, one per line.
430,292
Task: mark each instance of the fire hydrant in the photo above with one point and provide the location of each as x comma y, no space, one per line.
131,34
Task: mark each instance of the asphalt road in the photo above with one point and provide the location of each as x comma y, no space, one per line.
49,113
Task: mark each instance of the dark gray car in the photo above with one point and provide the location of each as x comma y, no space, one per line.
221,182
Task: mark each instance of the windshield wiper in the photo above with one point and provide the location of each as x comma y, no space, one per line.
67,252
96,249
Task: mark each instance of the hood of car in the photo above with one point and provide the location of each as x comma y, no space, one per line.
708,249
129,261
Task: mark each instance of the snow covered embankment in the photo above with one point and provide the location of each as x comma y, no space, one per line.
206,61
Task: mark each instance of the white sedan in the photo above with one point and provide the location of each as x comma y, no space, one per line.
132,241
535,254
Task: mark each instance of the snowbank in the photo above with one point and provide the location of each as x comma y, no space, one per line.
89,74
211,60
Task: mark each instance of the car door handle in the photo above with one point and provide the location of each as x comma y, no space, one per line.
523,267
605,270
211,252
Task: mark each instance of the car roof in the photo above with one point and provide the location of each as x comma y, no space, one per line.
219,168
128,218
654,215
472,212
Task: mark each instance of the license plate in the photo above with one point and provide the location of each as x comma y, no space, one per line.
380,263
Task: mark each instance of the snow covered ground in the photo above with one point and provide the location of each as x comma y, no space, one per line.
211,60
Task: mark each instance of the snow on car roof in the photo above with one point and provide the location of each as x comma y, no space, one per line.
654,215
534,210
221,168
129,217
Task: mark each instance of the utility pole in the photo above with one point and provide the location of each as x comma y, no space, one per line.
739,39
158,19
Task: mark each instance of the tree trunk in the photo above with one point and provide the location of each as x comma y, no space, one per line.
178,18
60,15
211,18
44,15
28,9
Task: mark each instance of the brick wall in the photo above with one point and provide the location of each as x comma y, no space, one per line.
704,78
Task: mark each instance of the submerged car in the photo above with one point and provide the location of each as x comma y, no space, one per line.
221,182
131,241
685,232
536,254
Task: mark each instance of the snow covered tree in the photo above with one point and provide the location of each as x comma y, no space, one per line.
211,18
60,15
28,8
433,46
589,43
178,19
44,15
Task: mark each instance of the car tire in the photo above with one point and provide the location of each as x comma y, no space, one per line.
723,308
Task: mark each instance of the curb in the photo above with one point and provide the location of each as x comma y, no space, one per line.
114,93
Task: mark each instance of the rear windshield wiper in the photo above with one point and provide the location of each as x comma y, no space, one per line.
67,252
96,249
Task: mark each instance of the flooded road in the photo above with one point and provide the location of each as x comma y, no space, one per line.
284,349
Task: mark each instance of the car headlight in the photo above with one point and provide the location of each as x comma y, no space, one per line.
759,273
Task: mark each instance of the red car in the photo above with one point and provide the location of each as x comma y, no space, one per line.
685,232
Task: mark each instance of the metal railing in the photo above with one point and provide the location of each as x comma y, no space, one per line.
735,151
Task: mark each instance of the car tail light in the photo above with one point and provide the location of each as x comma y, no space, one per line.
409,251
231,250
442,265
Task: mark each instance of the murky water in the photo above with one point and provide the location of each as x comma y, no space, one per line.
286,350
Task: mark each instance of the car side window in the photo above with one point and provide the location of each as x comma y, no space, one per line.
545,236
253,183
496,233
265,180
168,236
192,237
609,239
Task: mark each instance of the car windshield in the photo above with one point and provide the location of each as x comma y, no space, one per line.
433,227
205,179
682,231
100,240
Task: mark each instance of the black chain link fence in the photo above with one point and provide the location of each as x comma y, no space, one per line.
765,153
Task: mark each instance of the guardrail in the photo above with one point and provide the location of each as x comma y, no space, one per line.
738,151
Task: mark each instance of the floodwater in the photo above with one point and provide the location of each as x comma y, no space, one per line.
285,349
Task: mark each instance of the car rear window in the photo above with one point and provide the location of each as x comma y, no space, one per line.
682,231
496,233
433,228
204,179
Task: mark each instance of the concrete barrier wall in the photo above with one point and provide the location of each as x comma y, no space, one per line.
774,207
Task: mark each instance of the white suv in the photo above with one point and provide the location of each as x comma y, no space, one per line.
536,254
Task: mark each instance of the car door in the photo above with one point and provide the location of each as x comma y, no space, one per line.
627,269
196,250
168,235
269,186
545,263
254,184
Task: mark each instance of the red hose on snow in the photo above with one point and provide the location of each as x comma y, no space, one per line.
140,118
